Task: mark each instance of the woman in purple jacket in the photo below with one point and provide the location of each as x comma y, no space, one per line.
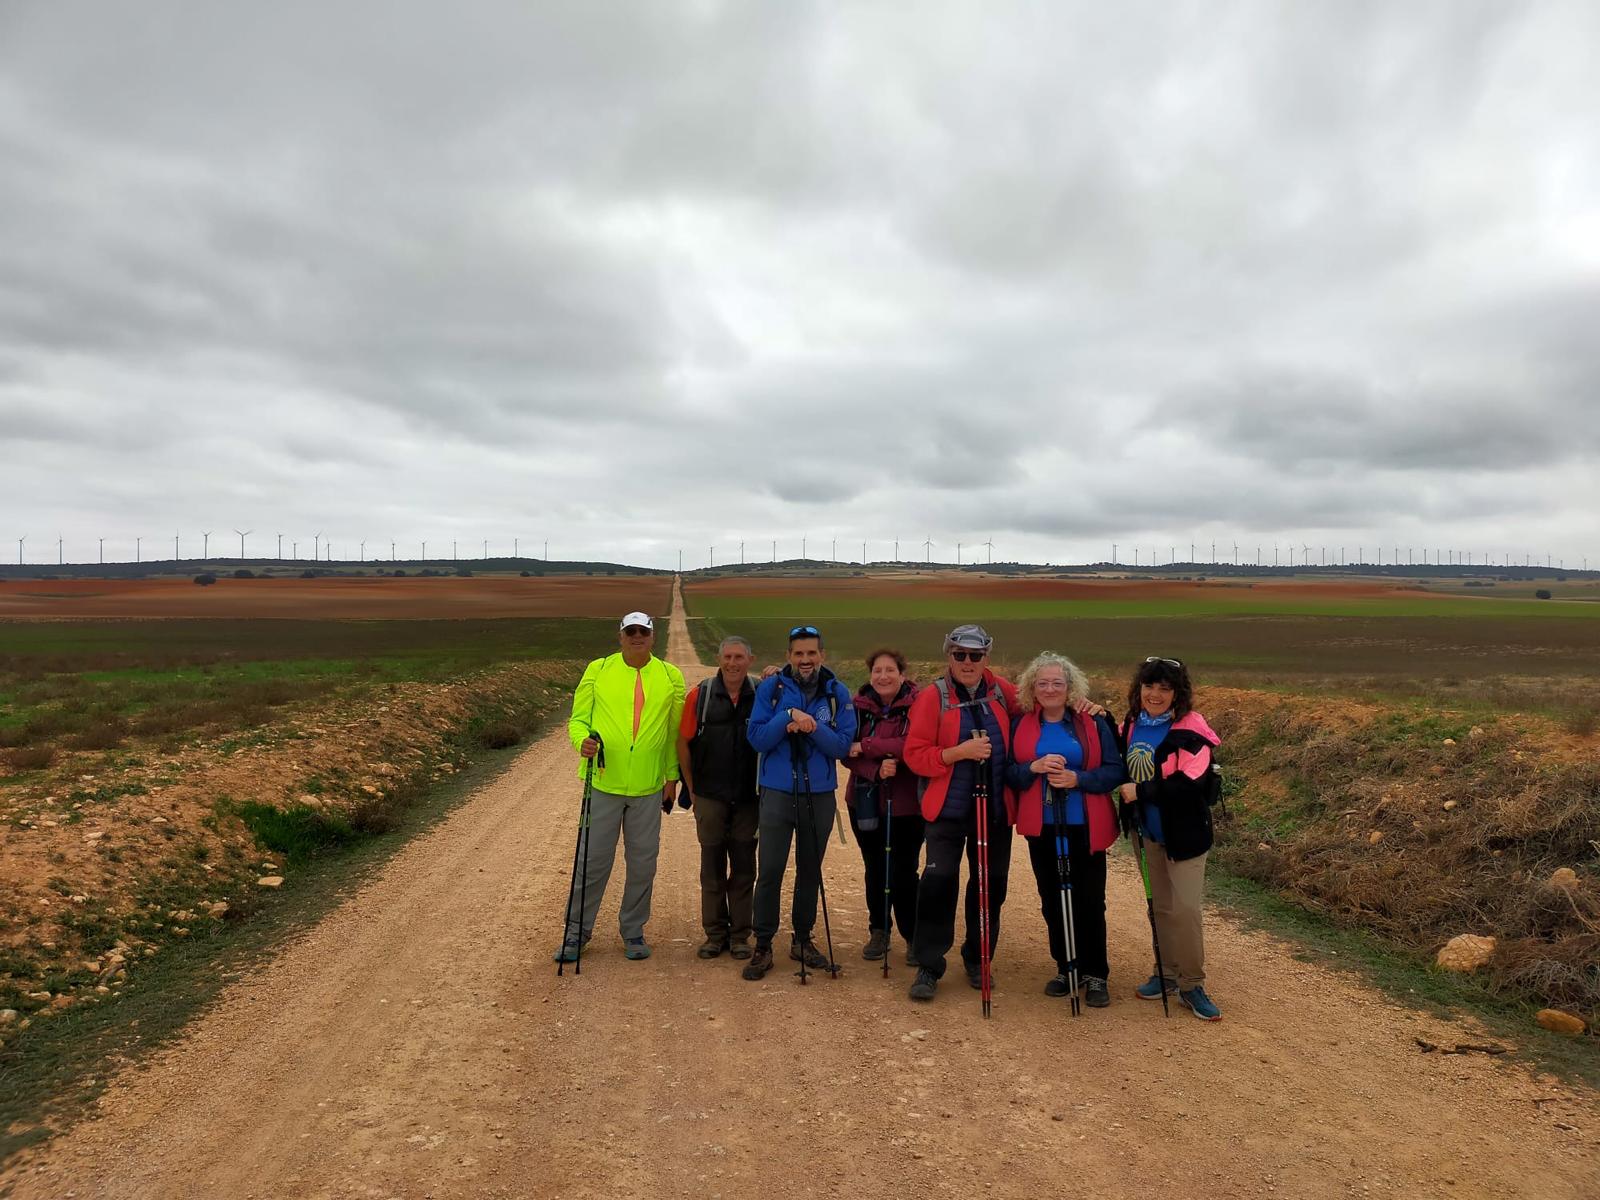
883,790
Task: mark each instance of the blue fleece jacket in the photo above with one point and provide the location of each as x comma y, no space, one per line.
768,732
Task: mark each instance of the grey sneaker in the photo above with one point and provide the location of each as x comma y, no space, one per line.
1095,992
569,951
635,948
924,986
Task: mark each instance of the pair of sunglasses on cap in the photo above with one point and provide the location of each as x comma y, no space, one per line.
1171,662
804,631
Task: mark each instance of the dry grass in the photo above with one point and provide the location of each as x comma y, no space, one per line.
1483,865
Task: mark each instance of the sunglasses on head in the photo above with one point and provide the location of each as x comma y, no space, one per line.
636,631
1171,662
969,655
804,631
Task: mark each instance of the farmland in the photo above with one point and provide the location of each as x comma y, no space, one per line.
1366,638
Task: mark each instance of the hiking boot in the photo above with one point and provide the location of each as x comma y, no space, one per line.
924,985
814,958
911,956
760,963
635,948
711,947
1200,1004
568,952
1095,992
1057,986
877,945
1150,989
975,975
739,950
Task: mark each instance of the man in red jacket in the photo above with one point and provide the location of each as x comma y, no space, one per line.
960,732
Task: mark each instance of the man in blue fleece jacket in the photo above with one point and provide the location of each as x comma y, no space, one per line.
802,725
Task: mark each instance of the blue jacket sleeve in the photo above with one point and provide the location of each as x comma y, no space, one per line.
1111,770
834,740
769,721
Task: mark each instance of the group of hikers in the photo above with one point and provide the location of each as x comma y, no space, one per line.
936,773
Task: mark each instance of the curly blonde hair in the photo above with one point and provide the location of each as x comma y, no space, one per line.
1077,682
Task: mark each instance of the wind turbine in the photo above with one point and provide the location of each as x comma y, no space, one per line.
958,554
20,540
990,544
138,550
1113,554
927,546
1236,554
102,551
242,533
713,553
1305,556
205,544
60,560
363,552
280,547
175,548
316,547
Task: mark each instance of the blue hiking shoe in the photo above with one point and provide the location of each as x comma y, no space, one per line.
1150,989
635,948
1200,1004
569,951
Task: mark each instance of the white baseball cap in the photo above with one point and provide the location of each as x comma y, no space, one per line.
637,618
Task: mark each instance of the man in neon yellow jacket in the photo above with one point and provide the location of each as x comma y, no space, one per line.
625,716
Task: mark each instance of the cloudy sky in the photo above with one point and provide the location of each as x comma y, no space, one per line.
636,277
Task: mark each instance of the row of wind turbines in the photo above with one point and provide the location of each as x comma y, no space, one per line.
320,550
833,556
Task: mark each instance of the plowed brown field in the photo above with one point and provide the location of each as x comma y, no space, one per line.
334,598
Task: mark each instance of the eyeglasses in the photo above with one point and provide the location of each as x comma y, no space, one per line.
1171,662
969,655
636,631
800,631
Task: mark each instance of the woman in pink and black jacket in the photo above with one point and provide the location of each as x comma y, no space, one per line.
883,791
1065,762
1168,748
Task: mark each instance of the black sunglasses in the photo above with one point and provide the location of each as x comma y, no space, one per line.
1171,662
803,631
636,631
969,655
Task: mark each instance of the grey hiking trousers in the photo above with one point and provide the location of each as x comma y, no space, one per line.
638,820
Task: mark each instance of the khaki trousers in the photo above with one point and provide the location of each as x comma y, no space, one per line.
1177,889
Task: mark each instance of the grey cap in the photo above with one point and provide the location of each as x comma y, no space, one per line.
967,637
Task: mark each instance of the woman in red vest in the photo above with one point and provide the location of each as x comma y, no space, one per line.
1064,765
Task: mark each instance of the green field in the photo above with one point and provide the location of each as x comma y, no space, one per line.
1523,655
91,685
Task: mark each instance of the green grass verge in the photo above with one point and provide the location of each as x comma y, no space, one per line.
1408,978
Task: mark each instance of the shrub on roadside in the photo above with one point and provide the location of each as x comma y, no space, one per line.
30,758
1542,594
205,580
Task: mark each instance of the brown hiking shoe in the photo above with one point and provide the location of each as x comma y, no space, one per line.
814,958
877,945
711,947
739,950
760,963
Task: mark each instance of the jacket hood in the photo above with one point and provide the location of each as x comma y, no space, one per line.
1195,723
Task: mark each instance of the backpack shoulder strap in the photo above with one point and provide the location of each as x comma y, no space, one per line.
942,686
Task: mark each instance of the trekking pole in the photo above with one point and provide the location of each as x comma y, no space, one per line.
582,847
980,794
1064,877
888,887
816,848
1150,909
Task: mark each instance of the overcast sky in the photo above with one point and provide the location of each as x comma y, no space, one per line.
640,277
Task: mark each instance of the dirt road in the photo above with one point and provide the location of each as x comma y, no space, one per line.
419,1044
